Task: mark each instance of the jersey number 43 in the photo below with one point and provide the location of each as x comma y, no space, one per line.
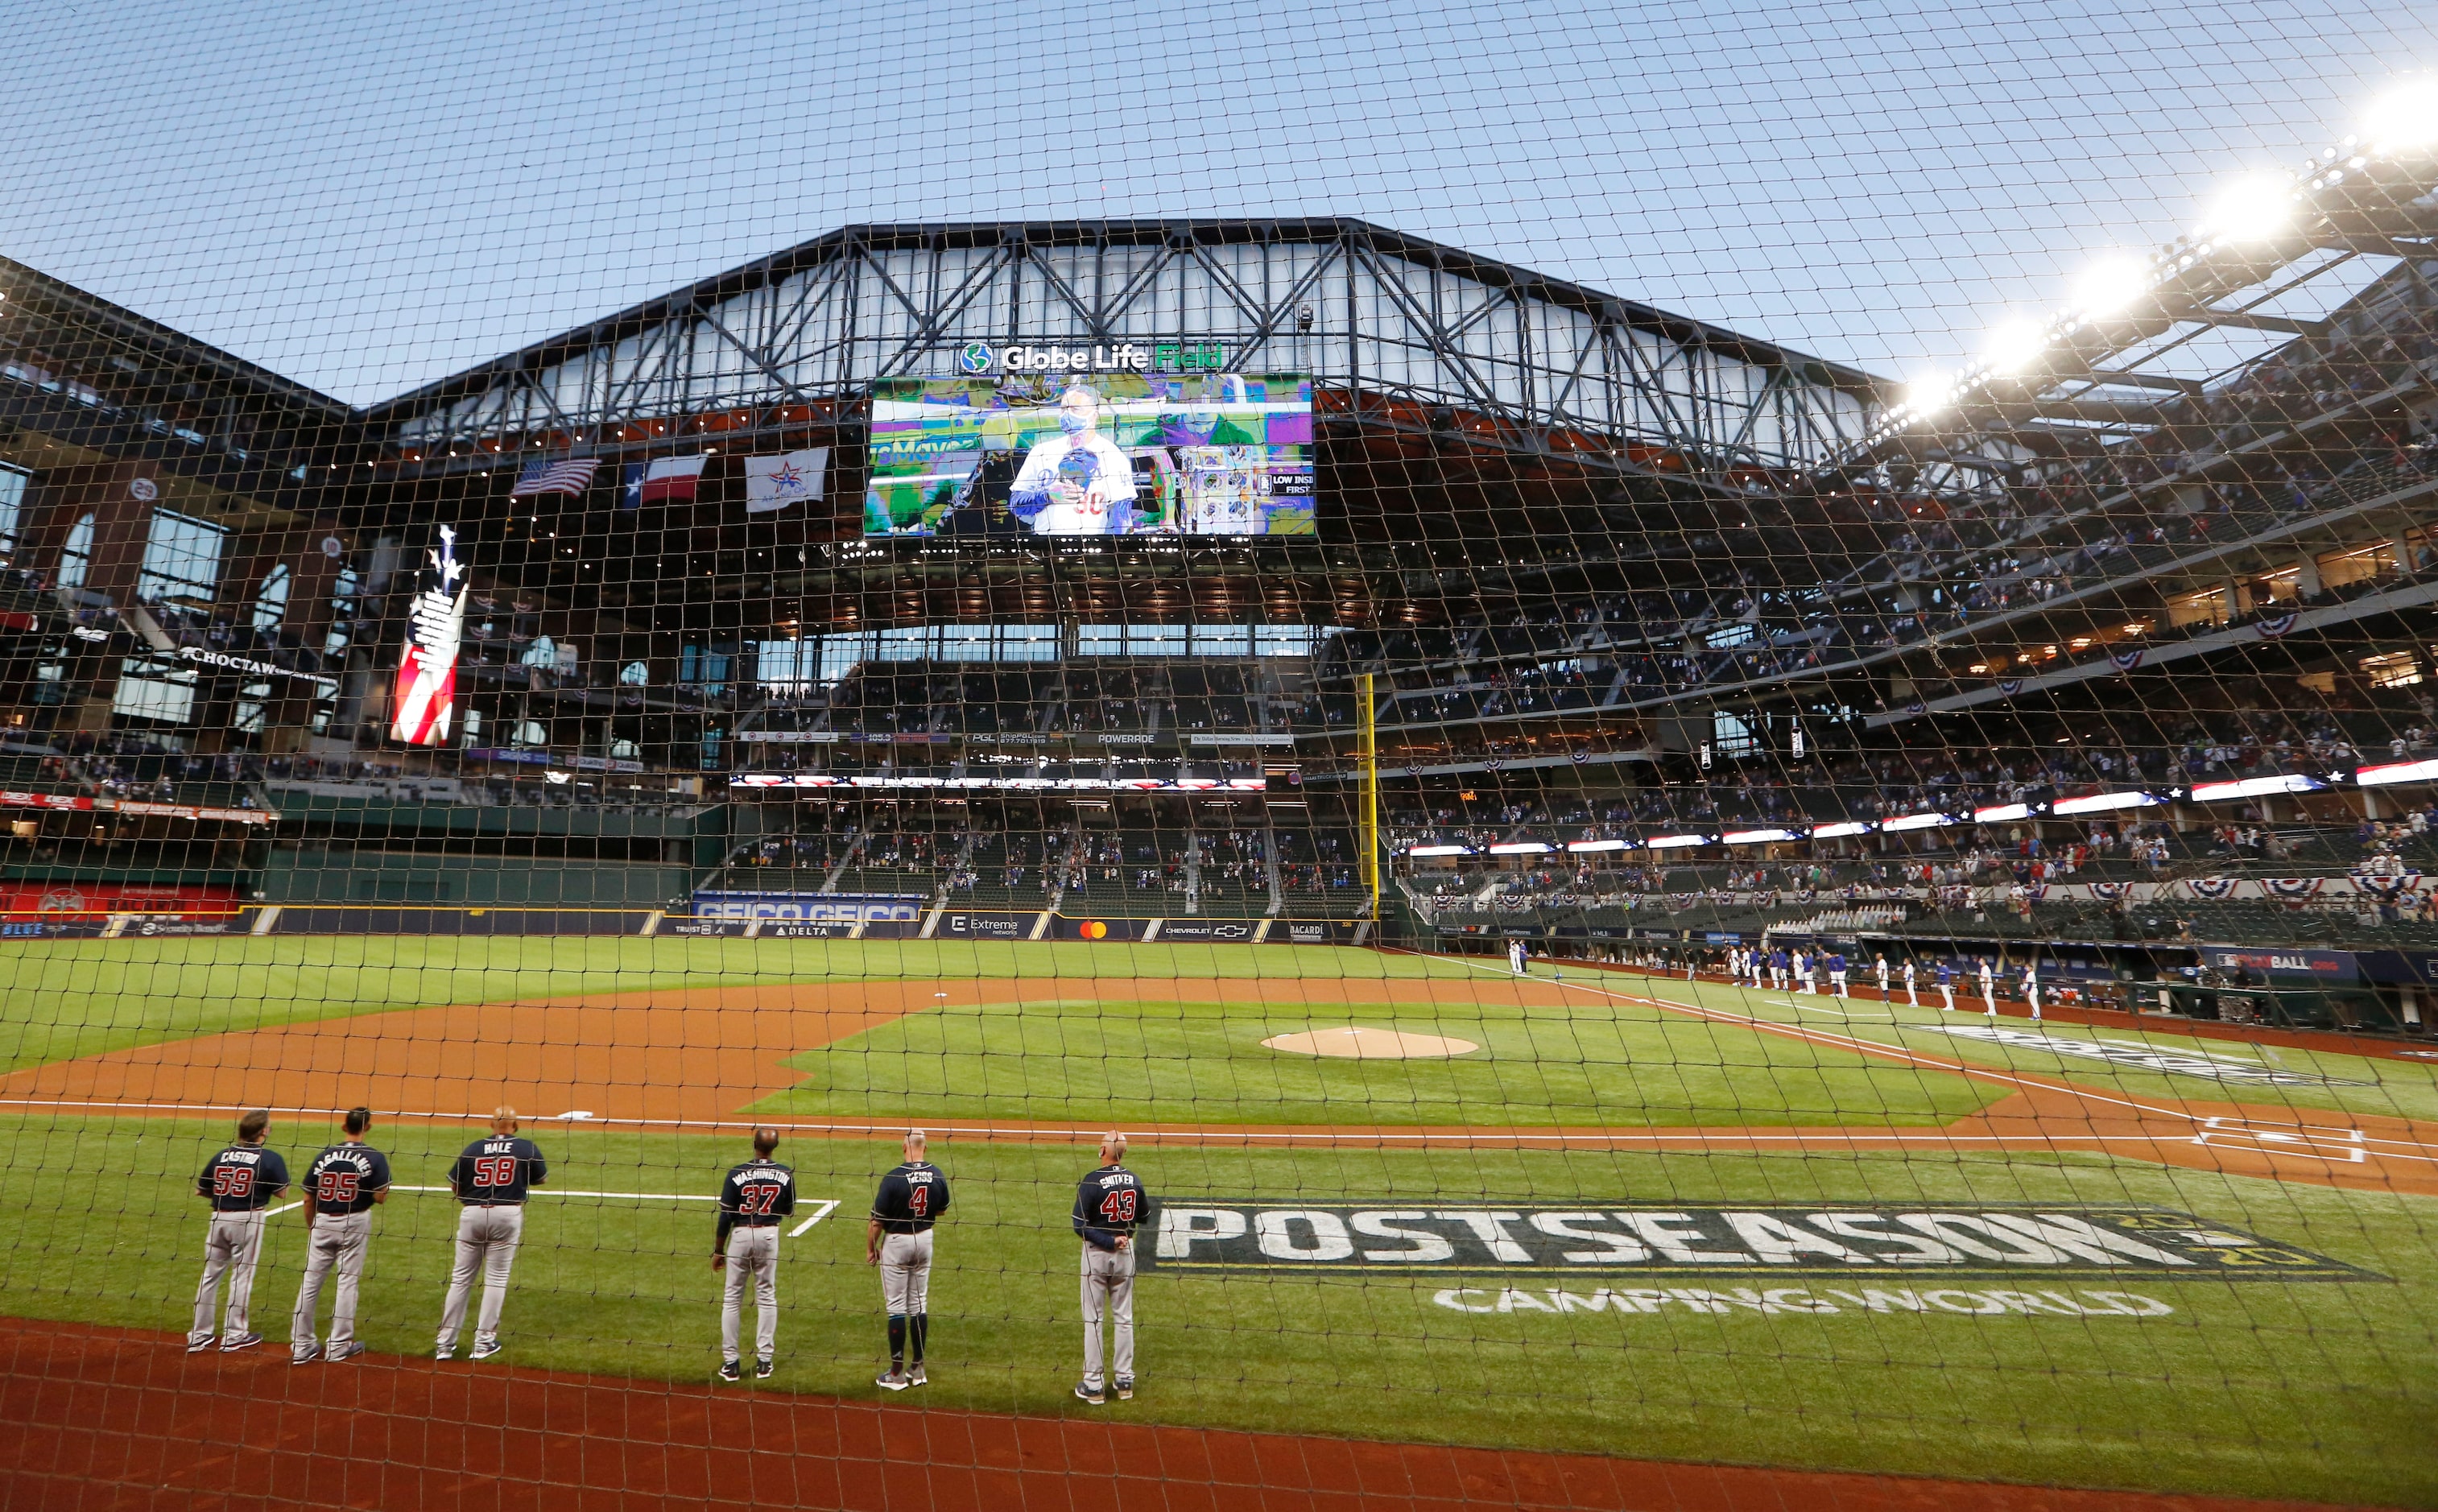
1119,1206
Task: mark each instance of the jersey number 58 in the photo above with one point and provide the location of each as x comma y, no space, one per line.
495,1171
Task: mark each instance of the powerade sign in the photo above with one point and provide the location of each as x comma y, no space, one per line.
810,907
1777,1239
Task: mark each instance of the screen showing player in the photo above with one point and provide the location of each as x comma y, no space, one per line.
1092,454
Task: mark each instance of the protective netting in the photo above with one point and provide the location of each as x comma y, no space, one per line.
1536,740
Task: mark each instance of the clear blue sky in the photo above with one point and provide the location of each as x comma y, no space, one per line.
367,196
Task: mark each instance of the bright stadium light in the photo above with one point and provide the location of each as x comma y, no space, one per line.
2014,346
2254,208
2405,119
1930,393
2109,286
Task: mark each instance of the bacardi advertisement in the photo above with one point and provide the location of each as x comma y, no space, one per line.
427,674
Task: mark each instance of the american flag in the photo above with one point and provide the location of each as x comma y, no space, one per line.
570,477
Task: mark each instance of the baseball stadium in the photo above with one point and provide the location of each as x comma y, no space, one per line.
1484,893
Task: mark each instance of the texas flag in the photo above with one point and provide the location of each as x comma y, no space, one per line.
665,480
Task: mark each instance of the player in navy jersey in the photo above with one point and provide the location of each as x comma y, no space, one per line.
239,1183
1109,1204
898,1240
491,1179
753,1201
342,1186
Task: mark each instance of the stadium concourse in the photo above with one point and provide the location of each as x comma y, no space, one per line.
1024,678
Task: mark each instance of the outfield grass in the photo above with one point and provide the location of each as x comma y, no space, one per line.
2318,1389
1592,1061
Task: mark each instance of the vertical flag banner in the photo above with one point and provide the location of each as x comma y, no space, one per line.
774,483
427,670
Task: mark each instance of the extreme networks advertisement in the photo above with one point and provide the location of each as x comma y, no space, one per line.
1092,441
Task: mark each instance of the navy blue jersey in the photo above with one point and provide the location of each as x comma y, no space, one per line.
1108,1202
912,1198
344,1178
242,1178
497,1170
756,1194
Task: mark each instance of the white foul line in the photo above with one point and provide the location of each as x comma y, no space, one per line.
819,1213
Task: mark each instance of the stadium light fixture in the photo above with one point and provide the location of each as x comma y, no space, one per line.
2109,286
2253,210
2014,346
1928,393
2405,119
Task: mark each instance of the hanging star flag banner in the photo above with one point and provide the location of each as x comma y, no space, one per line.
662,481
570,477
774,483
427,673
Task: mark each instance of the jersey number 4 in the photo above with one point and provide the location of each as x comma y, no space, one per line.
495,1171
336,1187
1119,1206
232,1181
918,1202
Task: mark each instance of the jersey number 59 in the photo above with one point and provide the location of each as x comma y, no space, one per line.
232,1181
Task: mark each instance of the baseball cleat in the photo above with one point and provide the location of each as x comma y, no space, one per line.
1087,1391
916,1376
195,1348
1125,1388
765,1370
306,1356
444,1351
485,1351
731,1370
346,1351
893,1380
242,1341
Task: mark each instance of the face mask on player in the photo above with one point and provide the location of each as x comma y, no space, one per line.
1074,423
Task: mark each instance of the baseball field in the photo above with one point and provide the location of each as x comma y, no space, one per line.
1604,1214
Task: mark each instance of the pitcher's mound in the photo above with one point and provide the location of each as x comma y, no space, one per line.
1371,1045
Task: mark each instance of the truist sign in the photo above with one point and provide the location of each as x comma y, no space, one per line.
427,674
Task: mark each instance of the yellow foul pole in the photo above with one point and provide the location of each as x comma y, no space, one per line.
1371,759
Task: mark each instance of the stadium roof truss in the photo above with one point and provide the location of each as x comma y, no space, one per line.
1358,307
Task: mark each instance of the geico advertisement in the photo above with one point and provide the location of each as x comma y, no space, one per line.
1789,1239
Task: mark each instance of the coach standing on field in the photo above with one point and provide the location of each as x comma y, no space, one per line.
342,1186
1108,1203
491,1179
753,1199
240,1181
898,1240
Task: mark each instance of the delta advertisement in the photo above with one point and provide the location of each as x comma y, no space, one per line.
1043,441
